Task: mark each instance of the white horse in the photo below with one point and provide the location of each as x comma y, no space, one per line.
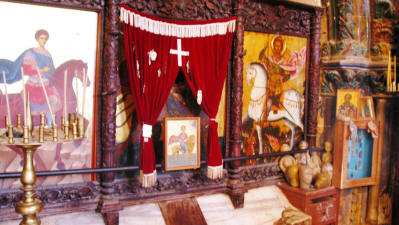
291,111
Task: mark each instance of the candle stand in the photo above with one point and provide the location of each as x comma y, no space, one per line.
29,205
29,140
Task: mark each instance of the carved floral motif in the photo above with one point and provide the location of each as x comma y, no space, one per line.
184,10
271,19
88,4
56,194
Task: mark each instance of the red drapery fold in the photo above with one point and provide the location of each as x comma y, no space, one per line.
155,50
206,77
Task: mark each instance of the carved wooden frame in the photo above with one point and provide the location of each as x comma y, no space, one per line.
168,124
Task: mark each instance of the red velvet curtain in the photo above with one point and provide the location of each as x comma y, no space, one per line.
208,69
155,50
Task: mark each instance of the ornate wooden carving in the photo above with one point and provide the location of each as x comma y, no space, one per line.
313,79
71,197
109,207
261,173
271,18
168,184
235,187
183,9
81,4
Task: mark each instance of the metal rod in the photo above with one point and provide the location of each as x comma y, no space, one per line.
158,166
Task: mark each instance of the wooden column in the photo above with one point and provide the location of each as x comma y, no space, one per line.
372,204
235,187
314,80
109,206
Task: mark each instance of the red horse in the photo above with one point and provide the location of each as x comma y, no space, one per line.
74,69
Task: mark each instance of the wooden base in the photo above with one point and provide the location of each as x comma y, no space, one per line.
321,204
111,218
183,211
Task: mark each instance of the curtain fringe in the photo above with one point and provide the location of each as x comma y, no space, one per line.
215,172
176,30
148,180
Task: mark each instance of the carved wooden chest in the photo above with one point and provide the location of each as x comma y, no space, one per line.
321,204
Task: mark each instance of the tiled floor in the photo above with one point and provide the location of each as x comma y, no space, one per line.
262,206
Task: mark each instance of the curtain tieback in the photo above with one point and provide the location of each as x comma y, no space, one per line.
147,132
199,97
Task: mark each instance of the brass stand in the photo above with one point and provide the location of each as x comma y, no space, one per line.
29,206
28,140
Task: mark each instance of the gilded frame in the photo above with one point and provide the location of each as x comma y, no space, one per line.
348,102
182,143
348,168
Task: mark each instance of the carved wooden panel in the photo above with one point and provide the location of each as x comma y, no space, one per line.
183,9
271,18
81,4
56,199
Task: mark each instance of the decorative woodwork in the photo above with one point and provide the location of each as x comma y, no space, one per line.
109,206
235,186
110,195
56,199
314,80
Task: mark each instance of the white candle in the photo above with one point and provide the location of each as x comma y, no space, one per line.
84,91
7,101
45,95
77,94
24,97
394,72
389,72
65,95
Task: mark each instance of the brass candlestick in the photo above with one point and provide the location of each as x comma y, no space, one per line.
81,127
29,206
10,135
19,121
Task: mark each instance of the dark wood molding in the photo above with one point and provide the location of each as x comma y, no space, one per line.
312,100
94,5
183,9
276,17
56,199
235,187
108,206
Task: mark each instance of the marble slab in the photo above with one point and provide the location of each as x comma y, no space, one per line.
261,206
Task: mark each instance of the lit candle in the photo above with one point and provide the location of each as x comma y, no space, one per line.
45,95
7,101
65,94
24,97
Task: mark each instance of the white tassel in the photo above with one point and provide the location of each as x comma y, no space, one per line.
215,172
176,30
199,97
148,180
147,132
